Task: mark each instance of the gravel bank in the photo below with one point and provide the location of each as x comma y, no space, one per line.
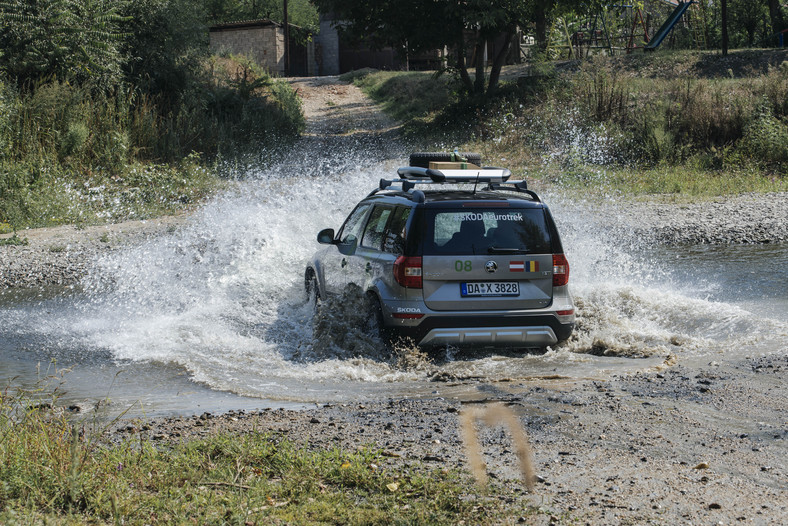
61,256
662,447
747,218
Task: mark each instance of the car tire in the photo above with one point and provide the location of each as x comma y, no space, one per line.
375,324
423,159
312,289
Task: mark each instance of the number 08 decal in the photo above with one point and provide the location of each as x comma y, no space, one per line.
463,266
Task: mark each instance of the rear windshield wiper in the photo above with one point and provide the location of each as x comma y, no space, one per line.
505,250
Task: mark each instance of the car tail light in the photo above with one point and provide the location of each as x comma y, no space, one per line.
407,271
560,270
407,316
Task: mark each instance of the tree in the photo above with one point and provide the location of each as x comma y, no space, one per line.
166,43
746,16
76,40
300,12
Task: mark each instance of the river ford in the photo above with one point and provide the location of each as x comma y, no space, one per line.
669,406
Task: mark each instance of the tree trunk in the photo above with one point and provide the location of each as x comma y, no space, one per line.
776,15
724,7
499,61
462,68
540,19
478,82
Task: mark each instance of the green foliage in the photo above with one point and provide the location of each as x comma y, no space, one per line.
611,118
74,40
13,240
35,196
7,116
63,142
602,93
765,138
74,139
299,12
89,89
166,45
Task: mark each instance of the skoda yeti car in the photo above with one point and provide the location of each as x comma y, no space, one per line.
450,253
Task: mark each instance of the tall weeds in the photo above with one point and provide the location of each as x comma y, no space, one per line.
714,123
60,142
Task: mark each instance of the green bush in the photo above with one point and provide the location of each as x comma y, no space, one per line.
765,138
8,108
74,140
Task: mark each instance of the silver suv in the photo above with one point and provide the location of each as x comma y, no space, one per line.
451,253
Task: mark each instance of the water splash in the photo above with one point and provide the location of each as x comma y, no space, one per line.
223,298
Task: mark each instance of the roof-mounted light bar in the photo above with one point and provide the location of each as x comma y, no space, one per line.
488,174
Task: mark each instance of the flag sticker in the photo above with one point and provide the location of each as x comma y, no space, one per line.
523,266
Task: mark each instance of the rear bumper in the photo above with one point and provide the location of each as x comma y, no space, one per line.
489,331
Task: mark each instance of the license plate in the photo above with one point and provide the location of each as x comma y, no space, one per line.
490,288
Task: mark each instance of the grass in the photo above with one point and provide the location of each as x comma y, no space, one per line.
14,240
404,95
638,125
59,471
59,196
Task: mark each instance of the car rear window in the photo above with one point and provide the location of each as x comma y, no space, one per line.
486,231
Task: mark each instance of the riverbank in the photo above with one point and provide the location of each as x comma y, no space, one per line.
666,446
62,256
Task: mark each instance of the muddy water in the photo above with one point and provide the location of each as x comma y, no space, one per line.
213,316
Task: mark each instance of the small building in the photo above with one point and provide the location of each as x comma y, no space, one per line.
263,41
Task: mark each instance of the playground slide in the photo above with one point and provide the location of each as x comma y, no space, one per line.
666,27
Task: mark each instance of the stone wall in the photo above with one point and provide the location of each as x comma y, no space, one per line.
264,43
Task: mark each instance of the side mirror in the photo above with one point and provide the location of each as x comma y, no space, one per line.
326,236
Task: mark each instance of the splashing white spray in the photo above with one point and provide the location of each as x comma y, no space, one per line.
223,297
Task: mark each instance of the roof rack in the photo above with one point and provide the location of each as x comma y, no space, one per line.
487,174
514,186
496,179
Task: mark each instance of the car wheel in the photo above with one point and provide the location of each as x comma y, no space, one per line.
423,159
312,289
375,324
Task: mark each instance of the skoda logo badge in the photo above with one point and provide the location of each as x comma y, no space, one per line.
490,267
